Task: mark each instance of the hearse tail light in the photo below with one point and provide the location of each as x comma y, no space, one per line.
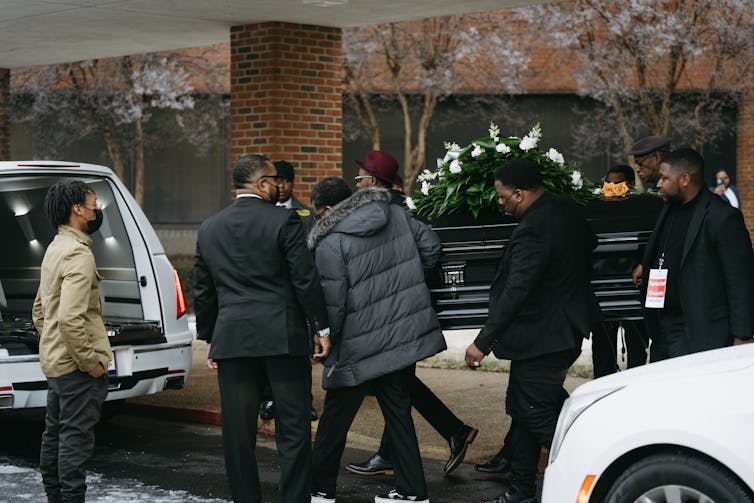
180,300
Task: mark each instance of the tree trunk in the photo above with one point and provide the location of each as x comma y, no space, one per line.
82,77
367,118
407,135
113,149
362,107
139,147
620,118
418,153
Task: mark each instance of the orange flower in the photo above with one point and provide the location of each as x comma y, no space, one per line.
608,189
621,189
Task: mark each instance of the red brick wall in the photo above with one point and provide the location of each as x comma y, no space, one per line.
286,97
745,159
4,114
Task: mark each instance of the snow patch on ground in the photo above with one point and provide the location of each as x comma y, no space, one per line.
22,484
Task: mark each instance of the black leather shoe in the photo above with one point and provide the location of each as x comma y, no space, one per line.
458,443
376,465
498,464
512,495
267,410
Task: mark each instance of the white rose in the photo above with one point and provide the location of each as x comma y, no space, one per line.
477,150
425,188
527,143
555,156
502,148
410,203
576,180
455,166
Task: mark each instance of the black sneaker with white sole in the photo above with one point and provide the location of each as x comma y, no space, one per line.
396,496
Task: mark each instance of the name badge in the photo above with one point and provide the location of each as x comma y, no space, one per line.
658,282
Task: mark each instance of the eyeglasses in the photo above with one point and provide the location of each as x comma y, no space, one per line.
640,160
275,178
359,178
97,206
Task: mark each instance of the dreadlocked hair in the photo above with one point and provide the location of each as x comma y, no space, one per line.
61,197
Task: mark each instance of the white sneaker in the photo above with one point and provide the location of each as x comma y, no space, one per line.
396,496
318,497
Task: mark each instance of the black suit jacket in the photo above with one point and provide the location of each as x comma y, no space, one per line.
306,213
541,300
256,283
716,275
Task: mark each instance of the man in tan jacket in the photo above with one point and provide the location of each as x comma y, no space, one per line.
74,350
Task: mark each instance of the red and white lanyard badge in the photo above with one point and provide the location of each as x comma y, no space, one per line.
658,282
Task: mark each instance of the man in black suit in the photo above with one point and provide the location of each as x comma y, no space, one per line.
698,279
256,286
286,176
541,306
286,199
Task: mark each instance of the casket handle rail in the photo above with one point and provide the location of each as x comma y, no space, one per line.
453,276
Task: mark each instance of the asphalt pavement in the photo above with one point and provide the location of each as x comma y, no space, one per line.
476,397
167,447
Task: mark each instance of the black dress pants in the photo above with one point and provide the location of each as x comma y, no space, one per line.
241,381
431,408
341,406
534,399
267,389
673,340
74,404
604,342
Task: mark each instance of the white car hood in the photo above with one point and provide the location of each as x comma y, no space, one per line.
723,360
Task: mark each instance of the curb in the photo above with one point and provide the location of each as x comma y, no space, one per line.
201,416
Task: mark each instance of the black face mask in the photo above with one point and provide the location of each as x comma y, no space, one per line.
93,226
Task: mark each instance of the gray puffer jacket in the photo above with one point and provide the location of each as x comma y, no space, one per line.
371,257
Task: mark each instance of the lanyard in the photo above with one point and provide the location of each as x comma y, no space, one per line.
661,260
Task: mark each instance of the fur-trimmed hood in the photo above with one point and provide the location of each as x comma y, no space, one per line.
344,216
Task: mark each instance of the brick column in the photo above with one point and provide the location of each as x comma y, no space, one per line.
286,97
745,159
4,114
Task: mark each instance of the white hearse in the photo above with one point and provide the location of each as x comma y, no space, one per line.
142,299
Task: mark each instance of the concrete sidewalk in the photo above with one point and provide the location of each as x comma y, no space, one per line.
476,397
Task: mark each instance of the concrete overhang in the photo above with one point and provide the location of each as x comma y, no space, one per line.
34,32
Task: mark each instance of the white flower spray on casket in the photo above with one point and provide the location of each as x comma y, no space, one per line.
463,181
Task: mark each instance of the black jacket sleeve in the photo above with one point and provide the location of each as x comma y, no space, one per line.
303,273
205,299
527,258
735,252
